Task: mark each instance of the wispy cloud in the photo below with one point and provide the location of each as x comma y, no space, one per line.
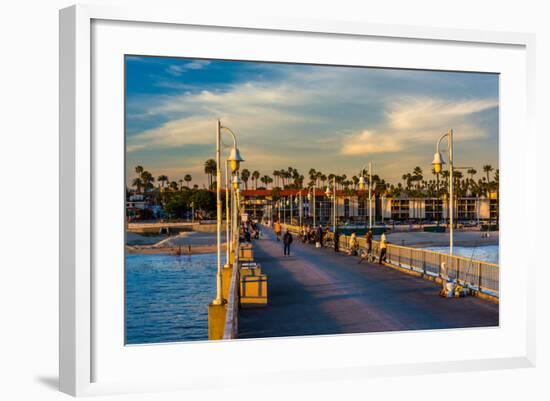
418,120
177,70
294,115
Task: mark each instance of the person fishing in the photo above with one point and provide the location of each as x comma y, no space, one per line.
383,248
354,244
368,253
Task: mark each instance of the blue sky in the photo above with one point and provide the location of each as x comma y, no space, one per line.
334,119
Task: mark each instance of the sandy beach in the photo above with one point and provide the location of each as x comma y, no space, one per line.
184,243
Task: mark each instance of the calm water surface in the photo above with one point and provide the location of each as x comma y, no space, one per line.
167,297
486,253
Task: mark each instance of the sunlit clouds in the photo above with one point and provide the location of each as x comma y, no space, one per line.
304,116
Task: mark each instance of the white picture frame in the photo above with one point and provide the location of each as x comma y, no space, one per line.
78,212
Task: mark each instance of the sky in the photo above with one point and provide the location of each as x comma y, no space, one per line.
331,118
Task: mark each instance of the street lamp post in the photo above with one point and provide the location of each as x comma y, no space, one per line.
228,207
328,193
236,204
301,207
234,160
291,209
362,186
437,163
311,199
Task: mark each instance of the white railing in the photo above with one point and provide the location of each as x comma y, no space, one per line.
475,274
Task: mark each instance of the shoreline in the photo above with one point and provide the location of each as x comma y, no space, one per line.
172,250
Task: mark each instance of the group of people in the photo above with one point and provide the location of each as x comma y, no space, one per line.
249,231
317,236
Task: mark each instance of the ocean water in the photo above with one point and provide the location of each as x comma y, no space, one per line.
486,253
167,297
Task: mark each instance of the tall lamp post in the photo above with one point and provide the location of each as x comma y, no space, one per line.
438,163
328,193
234,162
311,199
301,207
362,186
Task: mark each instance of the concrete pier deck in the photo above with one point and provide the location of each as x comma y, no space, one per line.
317,291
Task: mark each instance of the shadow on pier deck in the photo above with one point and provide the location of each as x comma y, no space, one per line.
316,291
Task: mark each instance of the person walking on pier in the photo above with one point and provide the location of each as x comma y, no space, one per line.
383,248
319,237
277,229
336,241
287,240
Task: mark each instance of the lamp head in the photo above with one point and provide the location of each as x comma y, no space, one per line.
361,183
438,162
328,191
235,159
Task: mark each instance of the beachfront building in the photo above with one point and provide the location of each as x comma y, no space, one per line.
353,207
467,209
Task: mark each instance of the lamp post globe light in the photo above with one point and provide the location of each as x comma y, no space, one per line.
438,166
234,159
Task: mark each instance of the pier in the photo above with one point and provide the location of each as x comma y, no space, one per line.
317,291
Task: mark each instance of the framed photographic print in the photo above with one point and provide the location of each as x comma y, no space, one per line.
284,196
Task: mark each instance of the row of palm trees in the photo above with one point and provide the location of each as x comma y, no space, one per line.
415,183
144,181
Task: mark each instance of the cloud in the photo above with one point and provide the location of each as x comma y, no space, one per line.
327,118
176,133
369,142
419,120
178,69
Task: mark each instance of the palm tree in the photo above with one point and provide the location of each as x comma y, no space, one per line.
147,179
265,180
276,174
210,169
181,184
323,179
162,179
255,176
138,169
138,183
417,176
472,172
188,179
173,186
245,175
487,169
313,175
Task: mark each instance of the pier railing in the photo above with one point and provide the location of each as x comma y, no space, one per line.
474,274
231,326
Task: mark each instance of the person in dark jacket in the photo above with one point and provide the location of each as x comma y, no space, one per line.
319,237
336,241
287,240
